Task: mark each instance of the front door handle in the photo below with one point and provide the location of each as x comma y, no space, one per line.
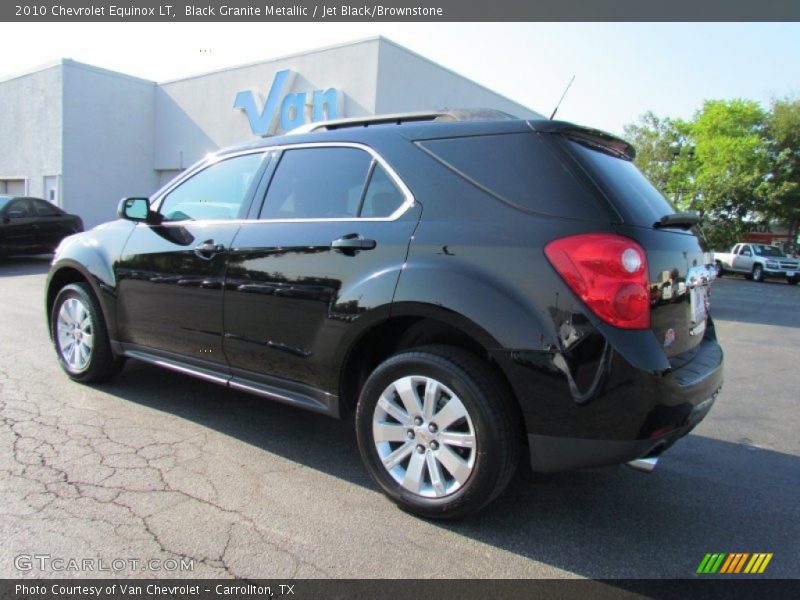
208,249
353,241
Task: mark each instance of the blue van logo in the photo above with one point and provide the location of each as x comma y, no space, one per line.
287,111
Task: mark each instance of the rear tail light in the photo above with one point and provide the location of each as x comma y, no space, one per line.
609,273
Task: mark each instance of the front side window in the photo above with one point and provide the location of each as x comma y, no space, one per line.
216,193
19,209
317,183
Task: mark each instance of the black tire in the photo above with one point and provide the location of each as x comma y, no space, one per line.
758,273
719,269
792,280
490,407
102,363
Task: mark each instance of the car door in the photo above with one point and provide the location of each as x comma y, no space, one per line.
170,274
327,247
53,225
743,261
20,227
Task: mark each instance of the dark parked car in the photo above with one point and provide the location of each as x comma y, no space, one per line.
465,286
33,225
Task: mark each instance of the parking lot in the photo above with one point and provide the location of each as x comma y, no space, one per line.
157,466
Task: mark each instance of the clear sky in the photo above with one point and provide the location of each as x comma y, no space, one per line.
622,70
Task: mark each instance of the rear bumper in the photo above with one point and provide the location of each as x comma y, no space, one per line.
549,454
595,408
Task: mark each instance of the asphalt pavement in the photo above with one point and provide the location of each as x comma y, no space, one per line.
161,472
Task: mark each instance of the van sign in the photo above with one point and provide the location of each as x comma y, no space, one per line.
290,110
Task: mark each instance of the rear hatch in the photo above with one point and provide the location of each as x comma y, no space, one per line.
678,264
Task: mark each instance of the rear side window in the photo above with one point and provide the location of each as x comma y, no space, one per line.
632,194
382,197
45,209
522,170
317,183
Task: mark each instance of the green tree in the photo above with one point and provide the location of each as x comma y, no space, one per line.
783,135
731,160
718,163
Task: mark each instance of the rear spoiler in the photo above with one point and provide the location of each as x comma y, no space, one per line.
594,138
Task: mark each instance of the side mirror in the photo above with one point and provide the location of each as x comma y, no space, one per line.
134,209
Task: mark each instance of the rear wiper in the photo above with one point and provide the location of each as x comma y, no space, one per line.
682,220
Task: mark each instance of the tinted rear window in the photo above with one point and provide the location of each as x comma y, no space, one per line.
631,192
520,169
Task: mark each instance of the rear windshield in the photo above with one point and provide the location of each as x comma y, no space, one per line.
631,192
520,169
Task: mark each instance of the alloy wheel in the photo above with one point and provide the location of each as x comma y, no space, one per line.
75,334
424,436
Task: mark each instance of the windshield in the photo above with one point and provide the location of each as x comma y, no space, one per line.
764,250
3,201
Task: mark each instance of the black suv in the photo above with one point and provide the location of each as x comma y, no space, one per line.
467,286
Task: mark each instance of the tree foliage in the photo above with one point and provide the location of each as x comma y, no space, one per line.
734,162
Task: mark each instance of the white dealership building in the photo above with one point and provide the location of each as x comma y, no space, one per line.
83,137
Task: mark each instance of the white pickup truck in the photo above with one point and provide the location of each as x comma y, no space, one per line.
757,262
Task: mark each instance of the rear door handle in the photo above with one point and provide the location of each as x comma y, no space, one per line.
208,249
353,241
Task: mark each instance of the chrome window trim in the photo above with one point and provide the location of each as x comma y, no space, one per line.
202,165
407,203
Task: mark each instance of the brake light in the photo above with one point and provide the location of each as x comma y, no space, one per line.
609,273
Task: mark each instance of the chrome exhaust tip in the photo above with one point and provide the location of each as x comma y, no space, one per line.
645,465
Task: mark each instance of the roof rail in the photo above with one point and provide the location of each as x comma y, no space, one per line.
458,114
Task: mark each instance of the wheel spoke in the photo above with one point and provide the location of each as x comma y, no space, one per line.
396,457
389,432
437,480
64,315
453,438
391,409
414,473
431,395
88,340
82,354
74,355
452,412
457,467
408,395
72,308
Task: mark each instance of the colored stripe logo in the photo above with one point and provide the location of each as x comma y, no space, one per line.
734,562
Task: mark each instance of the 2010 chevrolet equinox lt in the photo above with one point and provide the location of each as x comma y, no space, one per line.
466,283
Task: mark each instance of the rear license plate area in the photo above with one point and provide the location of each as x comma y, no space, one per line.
698,306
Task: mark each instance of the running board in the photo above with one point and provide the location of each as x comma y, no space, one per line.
645,465
274,391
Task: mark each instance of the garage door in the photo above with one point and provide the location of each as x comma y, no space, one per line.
12,187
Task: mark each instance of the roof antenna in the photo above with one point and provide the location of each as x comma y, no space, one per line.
555,110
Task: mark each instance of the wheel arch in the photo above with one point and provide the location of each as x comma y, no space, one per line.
412,325
64,273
